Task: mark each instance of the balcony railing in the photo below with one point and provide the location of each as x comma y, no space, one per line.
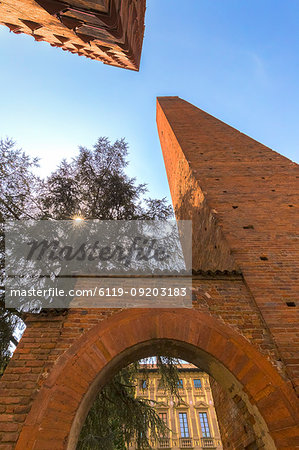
164,442
208,443
186,443
168,443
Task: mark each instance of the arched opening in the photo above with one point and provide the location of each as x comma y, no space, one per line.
63,402
176,349
158,402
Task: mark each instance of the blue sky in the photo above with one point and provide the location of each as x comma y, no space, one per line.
236,59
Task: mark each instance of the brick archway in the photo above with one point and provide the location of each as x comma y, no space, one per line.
61,406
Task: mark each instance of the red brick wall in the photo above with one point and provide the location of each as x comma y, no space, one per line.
36,374
235,423
227,298
44,341
242,198
47,338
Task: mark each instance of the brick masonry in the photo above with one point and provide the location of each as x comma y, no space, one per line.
242,198
110,31
240,329
236,423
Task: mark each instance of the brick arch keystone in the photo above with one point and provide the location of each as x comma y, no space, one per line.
61,405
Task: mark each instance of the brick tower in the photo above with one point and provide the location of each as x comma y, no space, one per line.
241,197
110,31
242,329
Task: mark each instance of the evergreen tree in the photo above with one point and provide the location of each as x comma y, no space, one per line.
18,186
118,417
94,185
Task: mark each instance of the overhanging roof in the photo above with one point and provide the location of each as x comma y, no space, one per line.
110,31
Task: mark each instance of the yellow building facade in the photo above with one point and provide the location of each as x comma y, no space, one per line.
192,419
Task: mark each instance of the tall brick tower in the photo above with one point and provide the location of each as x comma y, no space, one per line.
243,326
242,198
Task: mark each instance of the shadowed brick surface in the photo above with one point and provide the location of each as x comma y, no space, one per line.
236,428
